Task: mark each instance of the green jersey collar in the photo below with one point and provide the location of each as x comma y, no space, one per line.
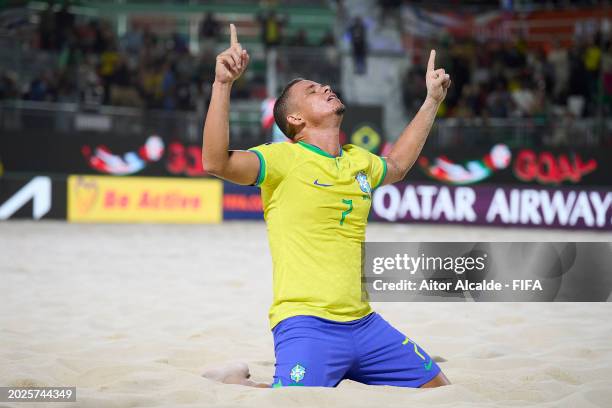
318,150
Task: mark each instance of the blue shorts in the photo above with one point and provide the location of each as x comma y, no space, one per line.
312,351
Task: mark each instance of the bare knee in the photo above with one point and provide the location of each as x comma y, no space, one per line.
438,381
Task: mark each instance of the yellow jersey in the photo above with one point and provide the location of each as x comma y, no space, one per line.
316,209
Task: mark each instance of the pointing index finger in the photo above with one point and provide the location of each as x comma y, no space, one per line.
233,35
432,59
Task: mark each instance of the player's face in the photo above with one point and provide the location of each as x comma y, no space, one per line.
316,101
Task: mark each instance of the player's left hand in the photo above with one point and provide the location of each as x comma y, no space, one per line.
437,80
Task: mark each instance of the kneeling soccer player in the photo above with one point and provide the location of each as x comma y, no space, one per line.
317,196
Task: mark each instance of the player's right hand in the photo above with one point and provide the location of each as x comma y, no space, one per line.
232,62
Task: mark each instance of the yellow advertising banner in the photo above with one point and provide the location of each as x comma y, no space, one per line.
144,199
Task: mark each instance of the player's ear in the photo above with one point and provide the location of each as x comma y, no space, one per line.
295,119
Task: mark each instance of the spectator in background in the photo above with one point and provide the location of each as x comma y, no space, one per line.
131,42
122,89
358,34
66,88
184,92
514,56
152,49
184,65
561,129
300,39
592,61
606,66
462,110
64,24
108,63
92,91
524,98
209,28
559,60
8,86
460,63
471,100
391,9
46,28
540,108
328,39
328,42
42,88
204,72
85,36
578,89
168,87
413,89
209,32
95,41
537,66
271,28
179,43
152,79
499,103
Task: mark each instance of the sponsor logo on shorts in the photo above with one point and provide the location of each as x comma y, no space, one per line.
297,373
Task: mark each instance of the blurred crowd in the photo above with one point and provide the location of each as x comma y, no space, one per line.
93,66
143,69
140,69
510,79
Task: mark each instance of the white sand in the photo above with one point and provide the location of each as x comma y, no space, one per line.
132,314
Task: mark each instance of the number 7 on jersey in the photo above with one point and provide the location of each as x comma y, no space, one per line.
346,212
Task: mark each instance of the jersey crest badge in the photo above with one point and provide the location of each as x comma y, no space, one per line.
362,179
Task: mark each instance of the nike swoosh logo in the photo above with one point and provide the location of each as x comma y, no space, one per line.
316,183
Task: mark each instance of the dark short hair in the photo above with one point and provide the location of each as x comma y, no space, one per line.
281,110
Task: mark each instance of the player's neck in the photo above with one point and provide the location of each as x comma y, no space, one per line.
327,139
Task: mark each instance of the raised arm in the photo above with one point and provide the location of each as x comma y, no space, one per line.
237,166
409,145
